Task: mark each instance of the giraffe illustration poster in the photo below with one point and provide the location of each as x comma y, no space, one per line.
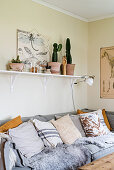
32,48
107,72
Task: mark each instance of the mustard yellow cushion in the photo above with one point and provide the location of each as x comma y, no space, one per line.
11,124
80,112
106,119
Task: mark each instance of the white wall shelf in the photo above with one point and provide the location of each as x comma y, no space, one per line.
45,77
40,74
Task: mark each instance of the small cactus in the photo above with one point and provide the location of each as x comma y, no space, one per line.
17,60
56,48
68,54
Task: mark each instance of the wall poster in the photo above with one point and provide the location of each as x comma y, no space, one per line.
107,72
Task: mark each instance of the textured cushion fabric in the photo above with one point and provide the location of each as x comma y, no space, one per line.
103,113
98,153
99,112
106,119
26,139
77,123
11,124
24,168
67,130
92,125
47,132
110,116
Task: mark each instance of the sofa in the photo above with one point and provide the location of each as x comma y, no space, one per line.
96,153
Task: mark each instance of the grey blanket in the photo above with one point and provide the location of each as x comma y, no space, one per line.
63,157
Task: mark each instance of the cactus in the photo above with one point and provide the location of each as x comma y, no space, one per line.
17,60
68,54
56,48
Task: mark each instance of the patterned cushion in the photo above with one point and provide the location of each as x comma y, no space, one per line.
67,130
92,125
99,112
47,132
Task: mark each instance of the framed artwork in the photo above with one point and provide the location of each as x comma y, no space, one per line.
32,48
107,72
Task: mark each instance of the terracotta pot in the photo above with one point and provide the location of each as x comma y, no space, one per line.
70,69
16,66
55,67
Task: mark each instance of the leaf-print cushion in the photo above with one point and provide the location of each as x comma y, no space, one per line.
92,125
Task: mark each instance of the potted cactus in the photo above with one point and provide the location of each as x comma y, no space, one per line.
69,67
16,64
55,65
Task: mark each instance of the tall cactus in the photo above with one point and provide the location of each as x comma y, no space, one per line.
56,48
68,54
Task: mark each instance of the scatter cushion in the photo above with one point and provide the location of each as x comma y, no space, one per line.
67,130
26,139
76,121
47,132
92,125
106,119
11,124
99,112
80,112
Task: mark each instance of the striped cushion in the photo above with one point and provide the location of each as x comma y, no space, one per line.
47,132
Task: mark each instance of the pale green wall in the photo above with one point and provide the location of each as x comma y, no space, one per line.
101,34
28,97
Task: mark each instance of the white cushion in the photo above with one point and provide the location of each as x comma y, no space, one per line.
47,132
26,139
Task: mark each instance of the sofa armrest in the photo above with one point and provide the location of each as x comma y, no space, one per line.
2,162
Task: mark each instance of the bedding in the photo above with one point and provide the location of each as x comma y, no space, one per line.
11,124
26,139
67,130
102,116
67,157
47,132
92,125
99,112
82,151
76,121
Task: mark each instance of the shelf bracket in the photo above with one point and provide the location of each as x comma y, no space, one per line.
44,83
12,81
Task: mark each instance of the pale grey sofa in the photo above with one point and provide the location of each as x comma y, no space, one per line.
96,152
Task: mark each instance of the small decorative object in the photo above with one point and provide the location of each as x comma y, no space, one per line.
69,67
34,70
48,70
16,65
64,63
107,72
55,66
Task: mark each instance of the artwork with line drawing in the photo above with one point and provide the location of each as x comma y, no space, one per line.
107,72
32,48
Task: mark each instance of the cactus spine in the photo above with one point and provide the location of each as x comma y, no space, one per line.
68,54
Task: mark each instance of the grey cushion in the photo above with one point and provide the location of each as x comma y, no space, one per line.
43,118
98,153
